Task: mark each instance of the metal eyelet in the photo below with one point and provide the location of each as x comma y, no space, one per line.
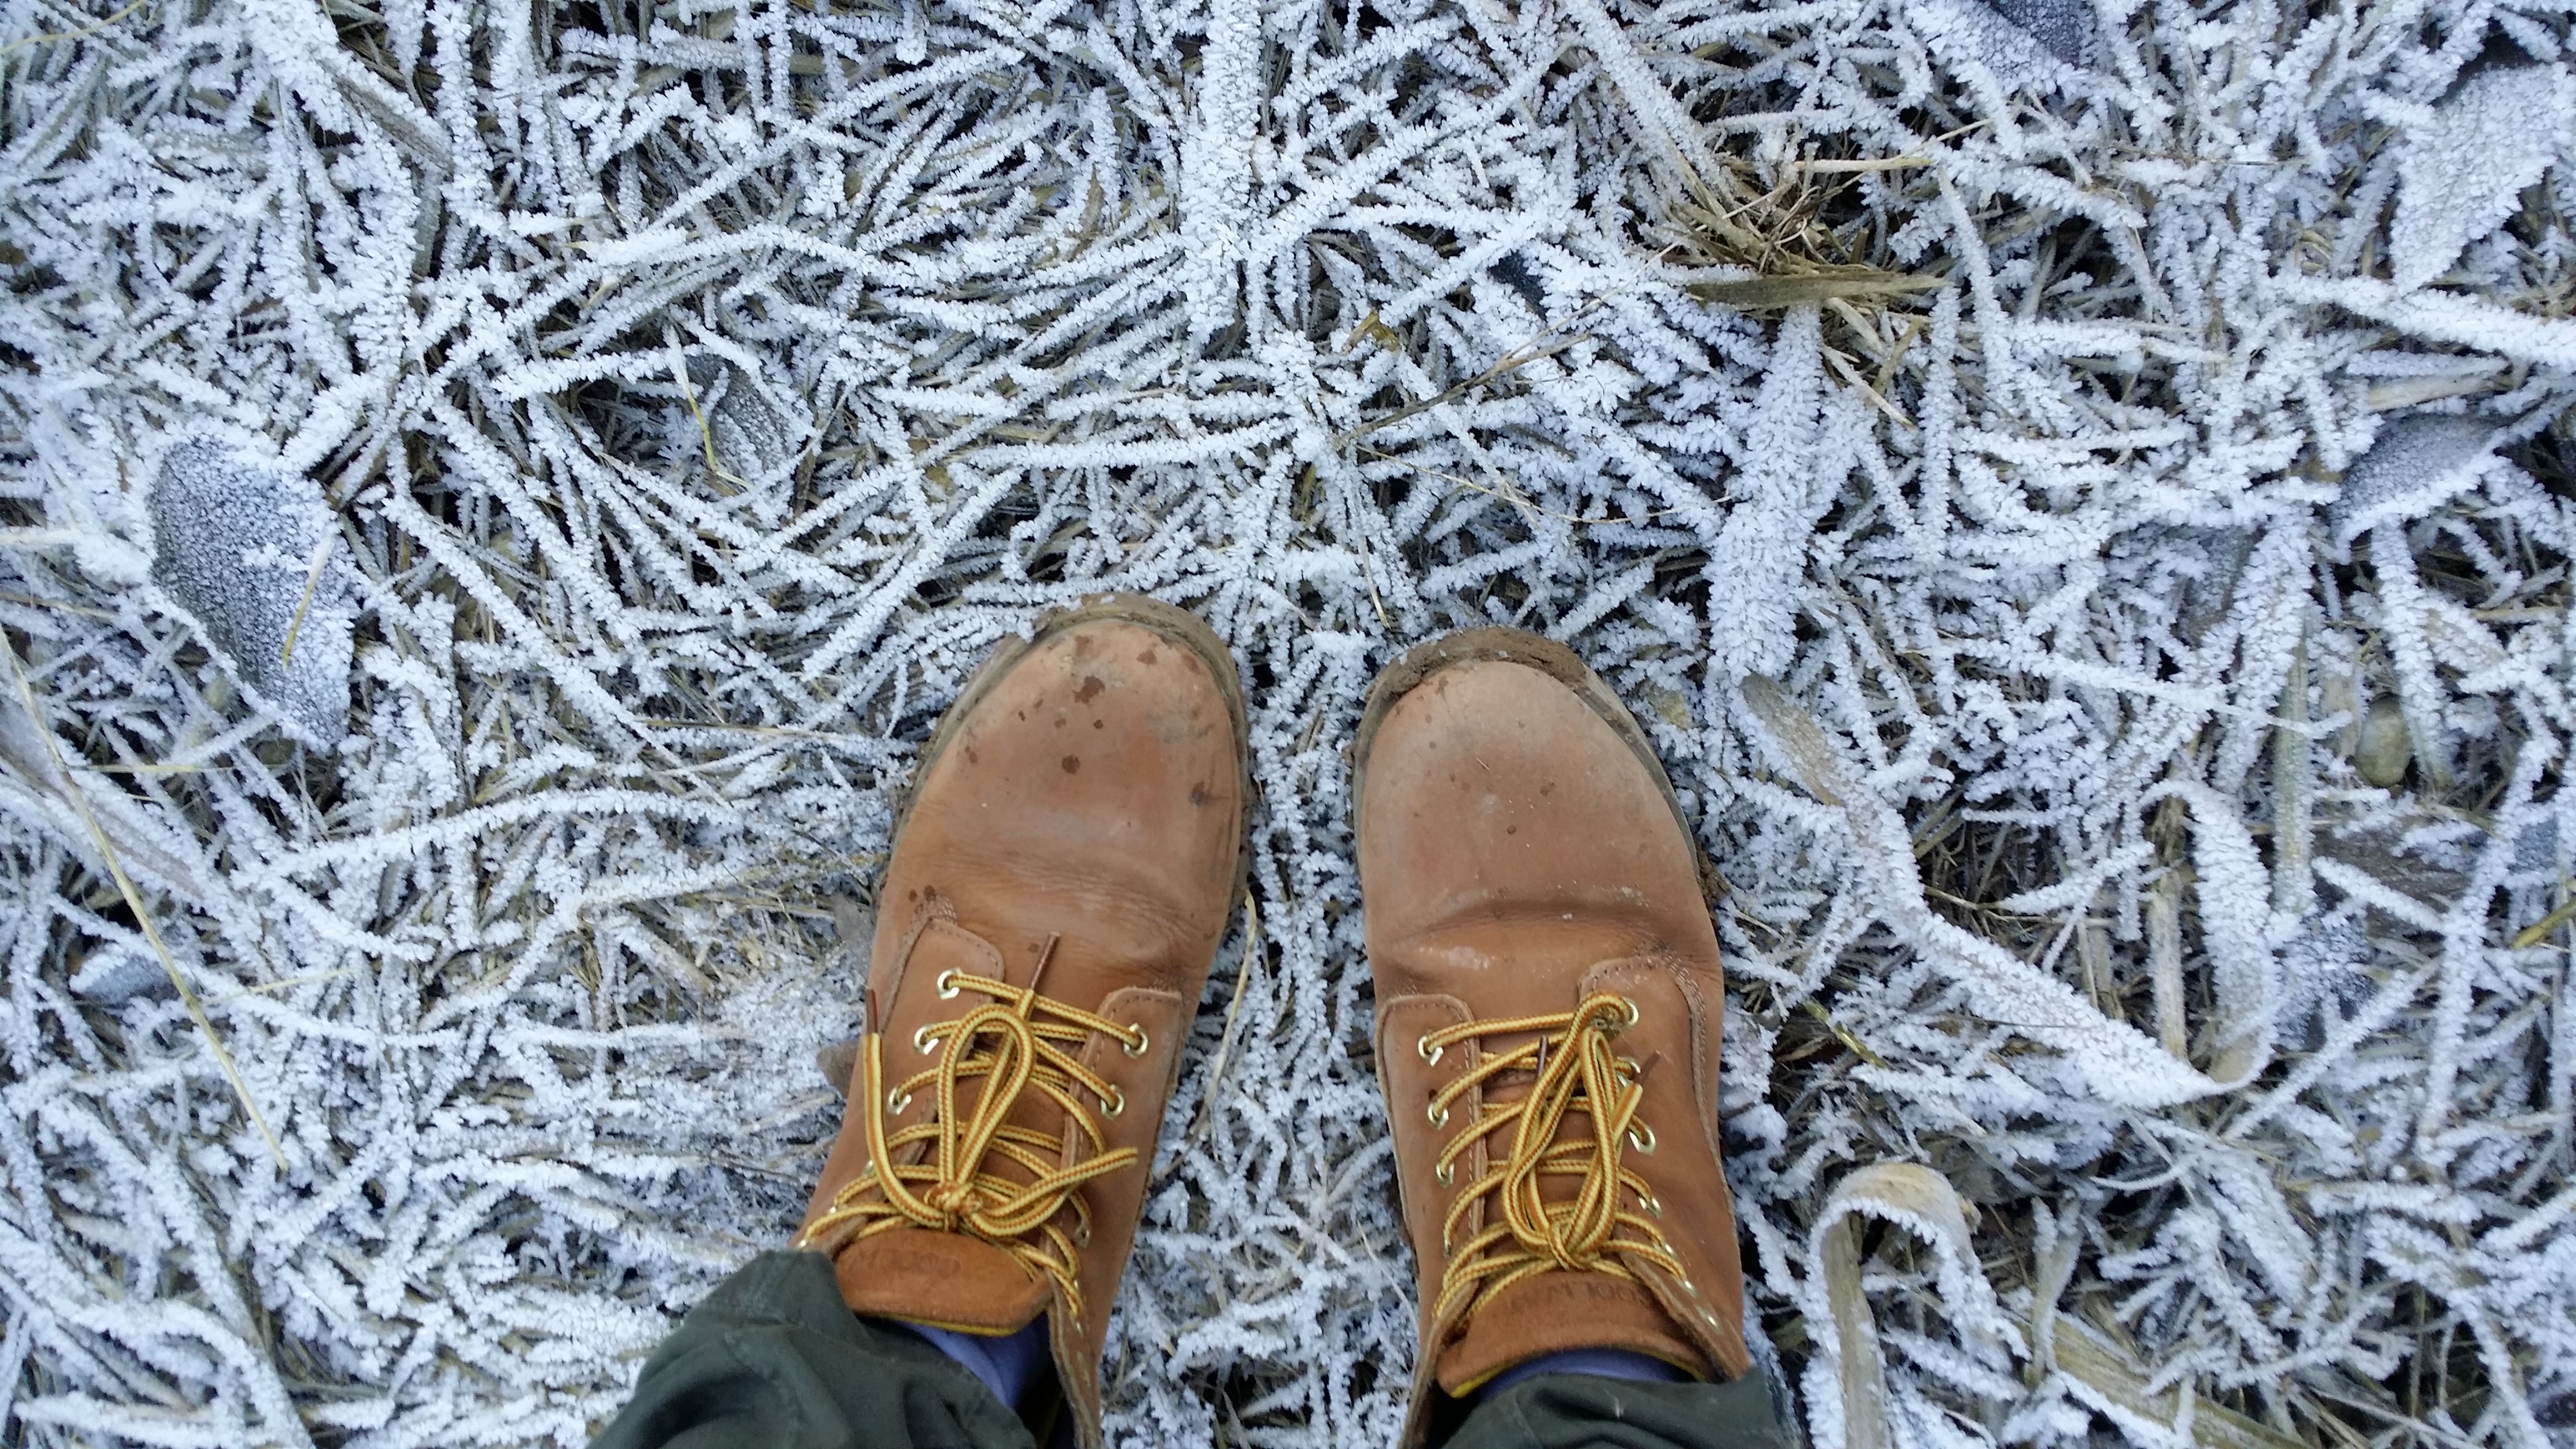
1430,1054
1647,1200
923,1041
1632,1013
896,1102
1642,1137
1629,1070
1137,1047
1444,1174
1438,1114
948,987
1114,1104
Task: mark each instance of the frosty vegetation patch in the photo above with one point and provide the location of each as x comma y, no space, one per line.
2079,494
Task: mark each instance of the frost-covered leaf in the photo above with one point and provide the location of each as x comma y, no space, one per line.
118,976
1758,568
235,545
2017,41
2466,170
2413,466
2234,896
2320,965
752,441
2064,28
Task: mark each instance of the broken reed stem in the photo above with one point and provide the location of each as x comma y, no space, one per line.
1851,1043
312,577
1233,1010
134,903
2164,958
1864,1372
2538,931
286,982
2293,888
2093,950
83,33
706,435
34,602
1508,365
1882,163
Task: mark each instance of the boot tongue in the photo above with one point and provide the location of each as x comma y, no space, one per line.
955,1280
945,945
946,1280
1553,1311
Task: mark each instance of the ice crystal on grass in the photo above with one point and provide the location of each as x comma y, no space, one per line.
2077,496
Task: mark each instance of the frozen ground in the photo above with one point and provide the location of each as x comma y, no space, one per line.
496,492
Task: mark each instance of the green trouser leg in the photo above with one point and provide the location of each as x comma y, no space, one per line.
774,1360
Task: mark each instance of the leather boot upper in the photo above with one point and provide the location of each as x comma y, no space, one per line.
1523,866
1056,892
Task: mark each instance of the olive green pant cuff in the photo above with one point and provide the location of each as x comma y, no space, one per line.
774,1360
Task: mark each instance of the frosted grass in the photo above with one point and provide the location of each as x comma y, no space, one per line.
2011,458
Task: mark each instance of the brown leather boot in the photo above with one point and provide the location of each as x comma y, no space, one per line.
1060,878
1547,1019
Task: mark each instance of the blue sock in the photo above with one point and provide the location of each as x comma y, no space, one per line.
1604,1363
1003,1363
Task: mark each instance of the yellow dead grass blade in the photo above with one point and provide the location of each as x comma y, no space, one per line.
1757,293
2114,1382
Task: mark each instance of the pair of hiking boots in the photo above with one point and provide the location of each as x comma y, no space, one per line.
1548,999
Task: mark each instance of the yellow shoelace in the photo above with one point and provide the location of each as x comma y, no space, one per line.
1017,1041
1587,1232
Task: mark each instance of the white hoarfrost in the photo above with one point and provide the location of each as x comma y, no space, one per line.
2078,494
2465,169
